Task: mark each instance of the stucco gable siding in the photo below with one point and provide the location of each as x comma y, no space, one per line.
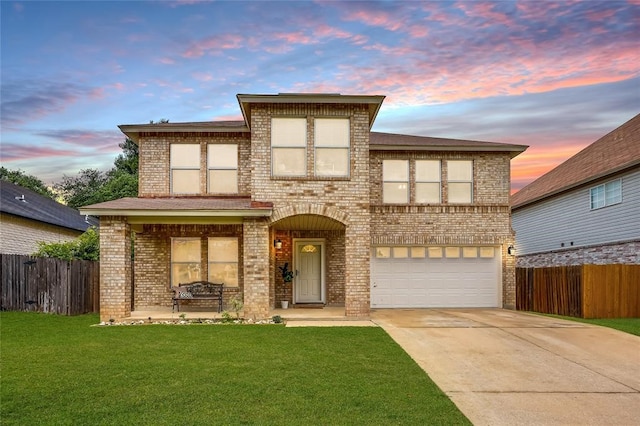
568,218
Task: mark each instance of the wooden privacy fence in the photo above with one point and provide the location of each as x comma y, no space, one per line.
49,285
585,291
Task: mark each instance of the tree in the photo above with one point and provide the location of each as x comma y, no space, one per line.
92,186
24,180
85,247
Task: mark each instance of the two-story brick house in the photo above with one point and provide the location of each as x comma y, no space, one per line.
301,202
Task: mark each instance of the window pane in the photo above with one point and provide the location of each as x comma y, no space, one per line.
332,132
452,251
459,170
469,252
223,181
400,252
223,249
185,181
428,192
435,252
185,250
459,192
428,171
395,170
289,162
486,252
185,155
383,252
332,162
289,132
223,156
396,193
597,197
226,273
183,273
613,192
418,252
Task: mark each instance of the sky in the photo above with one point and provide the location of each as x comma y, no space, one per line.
556,76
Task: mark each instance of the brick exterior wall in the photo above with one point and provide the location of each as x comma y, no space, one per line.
256,268
115,268
343,199
153,262
21,236
622,253
154,166
487,221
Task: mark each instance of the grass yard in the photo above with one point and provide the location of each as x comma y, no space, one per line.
60,370
628,325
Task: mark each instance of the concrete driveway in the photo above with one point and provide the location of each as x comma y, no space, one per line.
505,367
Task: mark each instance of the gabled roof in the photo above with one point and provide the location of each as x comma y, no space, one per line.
133,130
374,102
617,151
18,201
396,142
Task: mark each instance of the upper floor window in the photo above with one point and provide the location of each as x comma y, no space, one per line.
428,181
185,168
606,194
395,181
331,147
460,181
223,260
222,164
185,260
288,146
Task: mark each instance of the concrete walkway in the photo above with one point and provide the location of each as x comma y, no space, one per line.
511,368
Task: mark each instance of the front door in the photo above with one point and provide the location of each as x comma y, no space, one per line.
308,275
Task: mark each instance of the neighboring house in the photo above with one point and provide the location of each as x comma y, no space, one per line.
27,218
586,210
302,190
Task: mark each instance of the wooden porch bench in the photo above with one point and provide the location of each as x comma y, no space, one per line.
197,290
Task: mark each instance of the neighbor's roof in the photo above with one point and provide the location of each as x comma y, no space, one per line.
39,208
612,153
396,142
180,206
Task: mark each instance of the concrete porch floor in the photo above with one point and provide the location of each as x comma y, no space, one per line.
297,314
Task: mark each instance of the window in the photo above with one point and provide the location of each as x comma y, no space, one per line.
606,194
452,252
383,252
460,181
222,163
185,260
435,252
469,252
223,260
428,181
400,252
185,168
486,252
418,252
395,185
332,147
288,146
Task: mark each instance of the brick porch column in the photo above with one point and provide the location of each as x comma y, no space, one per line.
115,268
357,269
256,268
508,275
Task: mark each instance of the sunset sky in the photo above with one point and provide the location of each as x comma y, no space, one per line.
552,75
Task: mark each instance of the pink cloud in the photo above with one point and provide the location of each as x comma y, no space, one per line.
17,152
213,45
166,61
376,18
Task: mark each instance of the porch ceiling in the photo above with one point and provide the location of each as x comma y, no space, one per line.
308,222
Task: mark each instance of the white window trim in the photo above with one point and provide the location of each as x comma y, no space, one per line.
305,148
344,148
604,190
237,262
439,181
212,168
461,181
407,182
171,261
172,168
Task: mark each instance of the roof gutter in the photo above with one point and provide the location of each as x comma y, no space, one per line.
177,213
514,150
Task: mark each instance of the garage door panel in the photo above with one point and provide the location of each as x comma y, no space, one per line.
435,282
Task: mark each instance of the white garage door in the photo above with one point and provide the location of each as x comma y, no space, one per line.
435,277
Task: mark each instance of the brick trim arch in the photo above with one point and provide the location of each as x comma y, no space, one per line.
316,209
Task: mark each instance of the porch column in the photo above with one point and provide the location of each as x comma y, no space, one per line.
115,268
256,268
357,270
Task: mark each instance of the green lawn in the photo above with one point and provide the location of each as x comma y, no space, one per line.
59,370
628,325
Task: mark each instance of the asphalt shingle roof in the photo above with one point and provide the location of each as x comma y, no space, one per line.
616,151
39,208
180,203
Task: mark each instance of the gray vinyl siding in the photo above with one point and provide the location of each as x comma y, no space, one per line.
567,218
